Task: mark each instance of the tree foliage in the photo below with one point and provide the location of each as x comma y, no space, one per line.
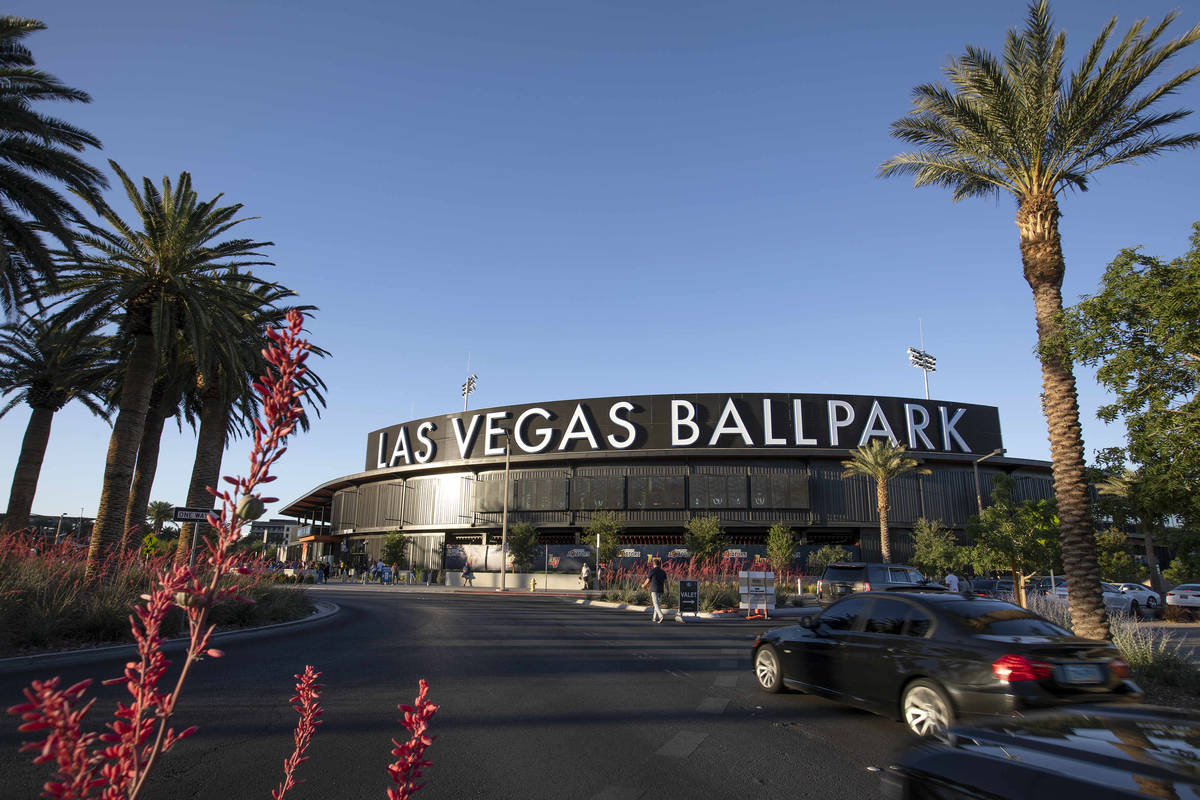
38,151
936,550
395,549
827,554
522,545
1115,555
1142,331
1021,538
608,525
704,537
781,546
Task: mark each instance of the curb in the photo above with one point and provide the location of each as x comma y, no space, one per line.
322,610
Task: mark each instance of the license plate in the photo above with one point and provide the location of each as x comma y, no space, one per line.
1082,673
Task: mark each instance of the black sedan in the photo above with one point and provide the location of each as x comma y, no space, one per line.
1098,752
929,658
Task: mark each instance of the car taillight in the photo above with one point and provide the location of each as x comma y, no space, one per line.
1119,668
1170,594
1019,668
866,586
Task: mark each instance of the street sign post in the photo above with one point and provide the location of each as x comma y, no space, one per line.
689,598
191,514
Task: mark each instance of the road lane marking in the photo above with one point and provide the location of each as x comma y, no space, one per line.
729,663
726,681
619,793
682,744
731,651
713,705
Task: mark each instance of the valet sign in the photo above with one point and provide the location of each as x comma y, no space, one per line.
706,422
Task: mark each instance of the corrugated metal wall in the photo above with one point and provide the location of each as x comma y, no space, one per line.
948,495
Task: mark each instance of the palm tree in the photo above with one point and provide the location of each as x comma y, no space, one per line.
159,513
168,278
36,148
1018,124
46,364
1130,488
225,402
882,461
165,398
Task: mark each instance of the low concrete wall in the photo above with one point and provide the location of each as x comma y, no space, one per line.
551,582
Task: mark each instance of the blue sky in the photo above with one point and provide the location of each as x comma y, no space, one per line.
590,199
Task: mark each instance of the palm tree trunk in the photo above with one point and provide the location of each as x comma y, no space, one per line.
206,468
885,539
147,463
123,447
1041,252
29,468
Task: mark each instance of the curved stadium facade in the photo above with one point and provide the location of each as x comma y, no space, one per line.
752,460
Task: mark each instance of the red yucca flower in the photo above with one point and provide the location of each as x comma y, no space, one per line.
411,762
307,704
141,730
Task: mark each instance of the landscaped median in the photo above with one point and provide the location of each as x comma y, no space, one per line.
45,605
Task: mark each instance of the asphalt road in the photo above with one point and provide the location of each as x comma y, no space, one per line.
539,699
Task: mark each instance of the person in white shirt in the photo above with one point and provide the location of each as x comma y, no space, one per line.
952,581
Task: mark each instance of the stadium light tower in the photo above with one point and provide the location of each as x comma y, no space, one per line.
467,388
924,362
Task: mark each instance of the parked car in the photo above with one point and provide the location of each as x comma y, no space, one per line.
1098,752
1001,588
1186,596
1145,597
1114,599
929,658
1042,585
840,580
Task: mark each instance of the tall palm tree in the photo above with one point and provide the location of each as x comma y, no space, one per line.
1017,124
882,461
170,277
1130,488
225,402
37,149
46,364
165,398
159,513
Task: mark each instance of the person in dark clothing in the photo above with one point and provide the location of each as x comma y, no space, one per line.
656,579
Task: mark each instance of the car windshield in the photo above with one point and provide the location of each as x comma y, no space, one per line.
994,618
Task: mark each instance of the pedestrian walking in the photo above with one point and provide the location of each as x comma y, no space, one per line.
952,582
468,577
656,579
584,574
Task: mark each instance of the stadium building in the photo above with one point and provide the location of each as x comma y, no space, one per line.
752,460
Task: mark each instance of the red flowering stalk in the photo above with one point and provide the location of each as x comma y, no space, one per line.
142,729
307,704
410,762
57,712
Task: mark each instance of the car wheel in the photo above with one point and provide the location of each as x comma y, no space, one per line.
768,670
927,711
1151,603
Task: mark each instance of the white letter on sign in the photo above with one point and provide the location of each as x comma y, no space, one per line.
678,421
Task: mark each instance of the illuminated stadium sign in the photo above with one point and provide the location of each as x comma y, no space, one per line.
711,423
